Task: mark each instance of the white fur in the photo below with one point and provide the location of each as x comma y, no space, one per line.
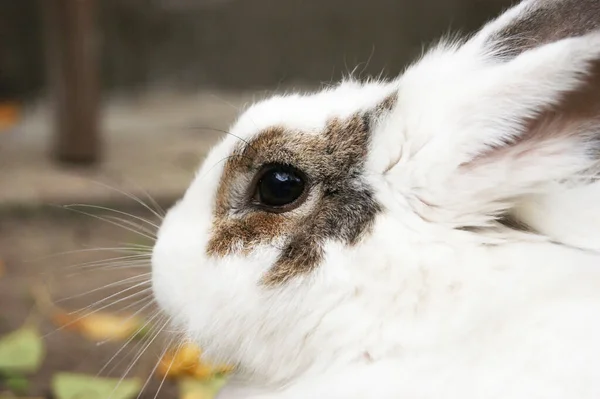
419,309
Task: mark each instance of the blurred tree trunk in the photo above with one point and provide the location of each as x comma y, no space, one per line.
73,78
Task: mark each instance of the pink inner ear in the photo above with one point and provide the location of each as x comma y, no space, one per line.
573,123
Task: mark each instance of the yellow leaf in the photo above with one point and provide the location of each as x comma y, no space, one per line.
100,326
190,388
185,361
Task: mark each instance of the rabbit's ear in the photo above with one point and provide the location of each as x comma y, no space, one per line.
533,23
504,122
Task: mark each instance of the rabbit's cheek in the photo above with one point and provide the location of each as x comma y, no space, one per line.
178,259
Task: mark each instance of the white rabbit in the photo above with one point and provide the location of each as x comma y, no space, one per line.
435,236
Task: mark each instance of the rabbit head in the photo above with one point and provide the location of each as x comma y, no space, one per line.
312,232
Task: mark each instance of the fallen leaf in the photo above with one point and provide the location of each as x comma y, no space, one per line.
11,396
81,386
180,361
190,388
17,383
21,351
100,326
185,361
95,326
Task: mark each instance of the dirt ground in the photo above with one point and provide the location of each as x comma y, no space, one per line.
33,247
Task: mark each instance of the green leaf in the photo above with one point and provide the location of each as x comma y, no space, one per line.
190,388
81,386
18,384
21,351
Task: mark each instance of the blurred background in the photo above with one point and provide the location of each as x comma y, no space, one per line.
113,103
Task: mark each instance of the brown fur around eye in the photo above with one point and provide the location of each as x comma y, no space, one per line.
342,208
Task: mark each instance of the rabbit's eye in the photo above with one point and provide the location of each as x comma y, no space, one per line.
280,188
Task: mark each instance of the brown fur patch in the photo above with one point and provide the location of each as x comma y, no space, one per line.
545,22
387,105
340,205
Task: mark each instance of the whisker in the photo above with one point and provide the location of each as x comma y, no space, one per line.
148,298
130,196
104,208
149,302
155,204
113,284
122,265
146,247
110,222
94,263
134,225
131,265
156,367
127,250
219,161
235,107
70,323
138,357
112,296
148,321
138,345
225,132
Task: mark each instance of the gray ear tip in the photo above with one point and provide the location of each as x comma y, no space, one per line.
533,23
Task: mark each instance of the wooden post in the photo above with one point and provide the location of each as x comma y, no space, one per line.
72,79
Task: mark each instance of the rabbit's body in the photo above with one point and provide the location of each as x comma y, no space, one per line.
436,236
512,321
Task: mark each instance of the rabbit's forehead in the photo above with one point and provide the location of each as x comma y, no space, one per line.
311,113
340,206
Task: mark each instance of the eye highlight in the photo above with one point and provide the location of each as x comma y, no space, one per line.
279,188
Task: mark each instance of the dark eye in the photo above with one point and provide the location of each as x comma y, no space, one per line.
280,187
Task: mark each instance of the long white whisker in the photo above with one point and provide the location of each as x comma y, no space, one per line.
156,366
111,222
114,295
115,211
131,338
127,250
148,298
136,226
140,246
94,263
113,284
130,196
119,265
70,323
145,265
127,264
133,225
153,202
144,339
138,357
